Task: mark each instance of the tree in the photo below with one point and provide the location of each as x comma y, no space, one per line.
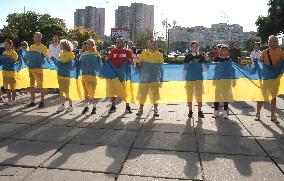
81,34
141,40
273,23
21,27
248,45
180,46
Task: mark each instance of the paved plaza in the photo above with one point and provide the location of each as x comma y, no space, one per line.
42,145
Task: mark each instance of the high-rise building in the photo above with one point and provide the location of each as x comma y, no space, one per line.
91,17
138,17
122,17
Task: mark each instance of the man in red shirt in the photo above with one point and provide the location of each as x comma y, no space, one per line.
118,56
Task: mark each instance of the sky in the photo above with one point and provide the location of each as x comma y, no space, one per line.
187,13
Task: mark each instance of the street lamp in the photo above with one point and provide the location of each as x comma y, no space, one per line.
168,25
278,11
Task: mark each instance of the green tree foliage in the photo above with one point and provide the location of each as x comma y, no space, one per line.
21,27
273,23
248,45
81,34
180,46
141,40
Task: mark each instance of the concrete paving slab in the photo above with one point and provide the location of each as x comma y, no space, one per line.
261,129
264,116
8,129
14,173
280,162
47,132
156,163
235,167
127,123
166,141
90,136
220,127
229,145
137,178
89,158
44,174
274,146
172,112
243,108
22,152
121,120
166,125
31,116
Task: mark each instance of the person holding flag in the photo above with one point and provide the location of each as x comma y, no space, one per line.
34,77
65,57
9,77
150,78
271,56
89,82
118,56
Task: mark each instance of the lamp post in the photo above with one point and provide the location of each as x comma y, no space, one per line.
278,11
167,26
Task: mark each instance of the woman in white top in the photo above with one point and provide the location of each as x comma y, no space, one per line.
54,48
255,54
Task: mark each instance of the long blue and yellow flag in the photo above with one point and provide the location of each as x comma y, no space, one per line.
149,83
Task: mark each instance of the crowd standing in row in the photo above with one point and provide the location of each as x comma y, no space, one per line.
65,51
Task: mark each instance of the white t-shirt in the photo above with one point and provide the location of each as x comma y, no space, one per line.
54,51
254,55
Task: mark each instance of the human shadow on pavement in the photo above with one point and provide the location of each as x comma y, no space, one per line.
114,141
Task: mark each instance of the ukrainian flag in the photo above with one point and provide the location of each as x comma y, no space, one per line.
152,82
41,71
67,76
103,79
13,75
207,82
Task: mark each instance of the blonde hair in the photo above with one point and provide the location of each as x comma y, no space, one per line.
66,45
94,43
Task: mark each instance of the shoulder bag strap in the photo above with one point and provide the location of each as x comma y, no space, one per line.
269,57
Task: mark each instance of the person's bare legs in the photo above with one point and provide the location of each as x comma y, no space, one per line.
113,100
42,94
259,105
8,94
273,106
32,92
13,95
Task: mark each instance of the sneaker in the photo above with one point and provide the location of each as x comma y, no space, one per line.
200,114
257,116
128,110
69,109
41,105
274,119
94,110
225,114
31,104
216,114
85,110
140,112
112,109
190,113
156,113
61,108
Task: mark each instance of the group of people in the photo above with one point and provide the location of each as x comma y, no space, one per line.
63,50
